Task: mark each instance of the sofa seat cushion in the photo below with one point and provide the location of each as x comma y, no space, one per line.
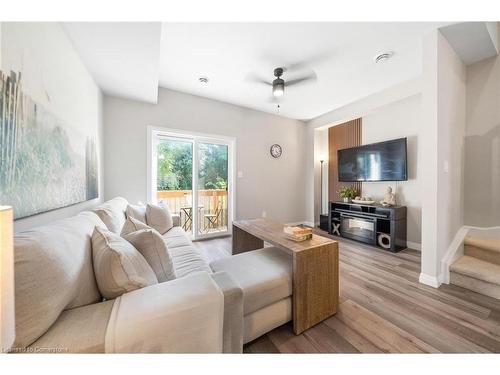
177,237
187,259
185,256
79,330
265,276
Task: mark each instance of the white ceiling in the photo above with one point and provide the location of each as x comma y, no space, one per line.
130,59
473,41
123,57
341,54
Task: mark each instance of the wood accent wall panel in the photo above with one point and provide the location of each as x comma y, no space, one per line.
341,136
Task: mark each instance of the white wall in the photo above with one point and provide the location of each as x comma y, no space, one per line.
444,129
361,108
272,185
393,113
398,120
75,98
482,144
451,133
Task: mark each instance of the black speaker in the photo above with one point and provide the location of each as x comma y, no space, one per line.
384,240
323,222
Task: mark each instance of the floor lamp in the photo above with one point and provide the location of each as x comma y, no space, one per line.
321,187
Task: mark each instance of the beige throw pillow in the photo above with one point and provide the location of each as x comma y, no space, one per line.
137,212
159,218
118,266
152,246
112,213
133,225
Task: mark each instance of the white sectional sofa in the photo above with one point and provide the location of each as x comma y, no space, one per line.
208,308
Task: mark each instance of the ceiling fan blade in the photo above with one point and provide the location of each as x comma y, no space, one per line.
311,77
319,58
256,79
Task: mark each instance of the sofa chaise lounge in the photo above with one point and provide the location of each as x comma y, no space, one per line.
208,308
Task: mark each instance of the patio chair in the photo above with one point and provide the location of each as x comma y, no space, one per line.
213,220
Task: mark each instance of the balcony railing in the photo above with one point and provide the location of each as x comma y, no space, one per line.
212,208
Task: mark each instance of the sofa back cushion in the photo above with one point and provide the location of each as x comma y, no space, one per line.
112,213
119,267
53,272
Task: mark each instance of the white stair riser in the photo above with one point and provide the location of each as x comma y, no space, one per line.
483,254
479,286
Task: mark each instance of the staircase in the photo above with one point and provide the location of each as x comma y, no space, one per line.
479,268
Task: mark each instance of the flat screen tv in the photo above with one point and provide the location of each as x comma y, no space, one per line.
384,161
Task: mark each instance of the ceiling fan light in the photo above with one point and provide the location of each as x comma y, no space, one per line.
278,87
278,91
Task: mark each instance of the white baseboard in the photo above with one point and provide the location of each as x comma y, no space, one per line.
455,251
414,245
429,280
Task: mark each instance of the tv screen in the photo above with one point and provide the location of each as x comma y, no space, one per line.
384,161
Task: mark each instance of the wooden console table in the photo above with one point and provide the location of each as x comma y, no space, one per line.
315,268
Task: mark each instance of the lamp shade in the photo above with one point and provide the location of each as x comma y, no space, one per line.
7,323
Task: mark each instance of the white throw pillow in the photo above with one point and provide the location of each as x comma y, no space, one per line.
137,212
152,246
133,225
118,266
159,218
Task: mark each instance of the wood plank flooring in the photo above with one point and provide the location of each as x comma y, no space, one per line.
384,309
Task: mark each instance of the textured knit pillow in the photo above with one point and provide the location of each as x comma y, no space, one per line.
152,246
133,225
118,266
159,218
137,212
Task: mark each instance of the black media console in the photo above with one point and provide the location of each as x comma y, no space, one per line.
376,225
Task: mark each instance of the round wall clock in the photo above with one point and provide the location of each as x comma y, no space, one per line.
276,151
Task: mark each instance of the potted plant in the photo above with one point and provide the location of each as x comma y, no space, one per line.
347,193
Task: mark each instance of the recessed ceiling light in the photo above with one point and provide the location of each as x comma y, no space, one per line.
203,80
383,57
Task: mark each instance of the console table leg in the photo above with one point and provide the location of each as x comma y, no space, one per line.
244,241
315,286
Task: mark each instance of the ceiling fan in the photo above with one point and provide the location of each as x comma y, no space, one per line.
278,84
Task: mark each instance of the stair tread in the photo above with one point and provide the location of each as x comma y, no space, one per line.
492,244
477,268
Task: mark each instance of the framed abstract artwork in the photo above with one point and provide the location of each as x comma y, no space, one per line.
48,155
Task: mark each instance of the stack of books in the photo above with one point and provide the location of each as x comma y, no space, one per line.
297,233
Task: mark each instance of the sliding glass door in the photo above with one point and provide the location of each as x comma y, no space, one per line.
192,175
212,188
174,177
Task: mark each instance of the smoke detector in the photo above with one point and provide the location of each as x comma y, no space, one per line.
203,80
383,57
